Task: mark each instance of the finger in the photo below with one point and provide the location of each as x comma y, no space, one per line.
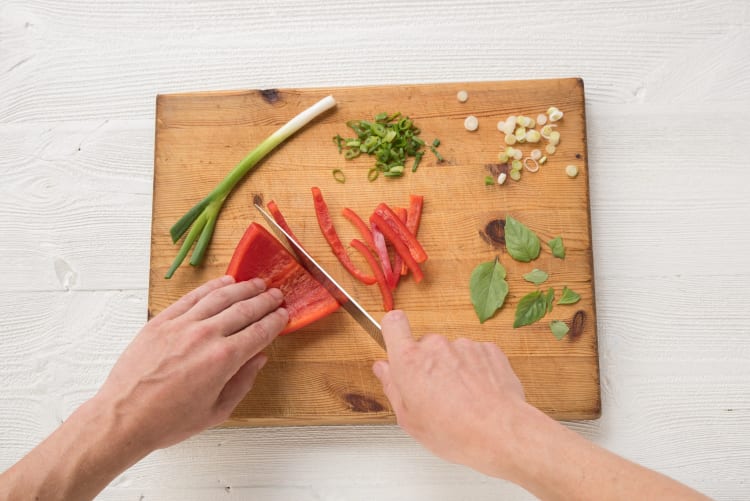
396,332
238,386
221,299
243,313
191,298
256,336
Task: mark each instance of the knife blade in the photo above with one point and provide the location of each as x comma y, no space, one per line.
363,318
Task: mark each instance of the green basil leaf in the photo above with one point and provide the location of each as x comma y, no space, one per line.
488,288
550,299
559,329
557,247
568,296
531,308
522,244
536,276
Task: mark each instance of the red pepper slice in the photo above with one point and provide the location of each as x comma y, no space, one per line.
398,244
279,218
259,254
361,226
401,232
398,264
384,288
413,216
329,232
382,251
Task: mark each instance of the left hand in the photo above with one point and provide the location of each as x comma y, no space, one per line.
191,365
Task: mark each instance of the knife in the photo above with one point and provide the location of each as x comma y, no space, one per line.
363,318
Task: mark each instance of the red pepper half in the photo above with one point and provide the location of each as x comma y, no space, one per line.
385,290
398,244
329,232
413,216
401,233
259,254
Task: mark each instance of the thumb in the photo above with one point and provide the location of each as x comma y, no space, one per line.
238,386
396,332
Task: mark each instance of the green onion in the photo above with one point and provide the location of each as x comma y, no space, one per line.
339,176
417,158
390,139
373,174
489,180
201,219
437,154
338,140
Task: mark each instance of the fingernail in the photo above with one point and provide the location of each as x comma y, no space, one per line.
259,283
276,294
227,279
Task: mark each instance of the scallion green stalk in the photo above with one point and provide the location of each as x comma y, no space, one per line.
202,217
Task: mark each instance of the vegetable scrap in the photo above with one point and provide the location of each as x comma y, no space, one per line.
260,255
471,123
201,219
391,139
462,96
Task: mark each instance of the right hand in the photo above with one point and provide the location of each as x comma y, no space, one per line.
457,398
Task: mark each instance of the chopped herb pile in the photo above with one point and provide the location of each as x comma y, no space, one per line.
391,139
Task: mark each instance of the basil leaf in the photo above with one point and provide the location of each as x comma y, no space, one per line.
536,276
559,329
550,299
557,247
522,244
488,288
531,308
568,296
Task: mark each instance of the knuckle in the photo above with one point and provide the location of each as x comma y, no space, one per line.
247,309
262,332
222,353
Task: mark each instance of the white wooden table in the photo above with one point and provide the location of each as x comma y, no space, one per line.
668,90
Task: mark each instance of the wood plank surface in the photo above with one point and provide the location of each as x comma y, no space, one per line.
321,374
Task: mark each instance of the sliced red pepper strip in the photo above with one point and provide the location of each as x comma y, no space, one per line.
259,254
398,264
413,216
329,232
361,226
401,232
385,290
398,244
279,218
382,251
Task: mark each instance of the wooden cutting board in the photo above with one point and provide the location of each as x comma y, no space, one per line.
322,374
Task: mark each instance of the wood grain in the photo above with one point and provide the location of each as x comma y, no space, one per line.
322,374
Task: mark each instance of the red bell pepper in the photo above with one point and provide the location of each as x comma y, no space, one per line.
361,226
398,263
385,289
259,254
413,216
329,232
382,251
279,218
401,232
394,237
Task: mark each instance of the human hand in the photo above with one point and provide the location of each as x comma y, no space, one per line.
460,398
191,365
